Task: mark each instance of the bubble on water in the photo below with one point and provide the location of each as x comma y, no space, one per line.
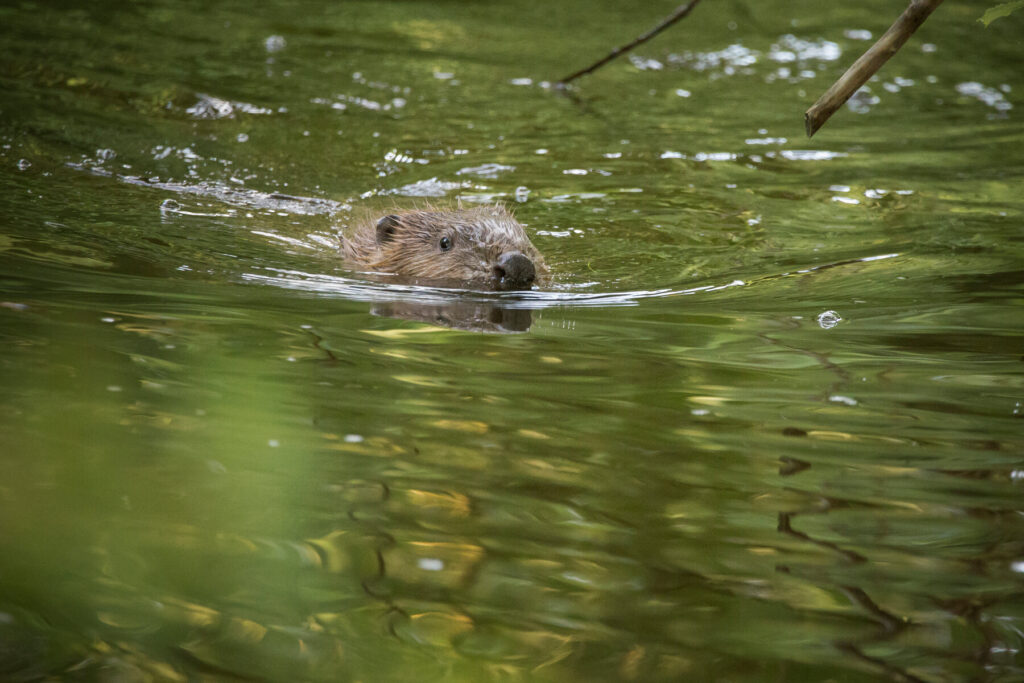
24,164
988,96
810,154
521,81
857,34
430,564
793,49
486,170
683,93
646,63
273,443
353,438
274,43
242,137
522,193
210,107
828,320
170,206
862,101
845,400
730,58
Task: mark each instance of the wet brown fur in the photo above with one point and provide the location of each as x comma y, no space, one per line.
479,236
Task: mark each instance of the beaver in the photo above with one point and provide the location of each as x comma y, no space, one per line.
479,247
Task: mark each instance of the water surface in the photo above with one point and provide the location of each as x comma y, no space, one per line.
765,425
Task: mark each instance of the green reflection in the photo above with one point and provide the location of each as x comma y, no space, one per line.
222,457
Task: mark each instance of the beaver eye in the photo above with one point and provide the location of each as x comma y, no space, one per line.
446,243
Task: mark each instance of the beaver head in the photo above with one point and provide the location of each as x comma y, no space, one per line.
484,247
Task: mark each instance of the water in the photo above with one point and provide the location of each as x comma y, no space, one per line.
765,425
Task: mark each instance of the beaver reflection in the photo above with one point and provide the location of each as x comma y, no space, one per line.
472,316
481,247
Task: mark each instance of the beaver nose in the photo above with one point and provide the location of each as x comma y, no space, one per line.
514,271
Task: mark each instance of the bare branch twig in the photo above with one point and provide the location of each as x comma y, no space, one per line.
680,12
869,62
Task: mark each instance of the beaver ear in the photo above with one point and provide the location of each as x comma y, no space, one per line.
386,227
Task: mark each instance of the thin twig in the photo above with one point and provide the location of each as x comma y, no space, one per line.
680,12
869,62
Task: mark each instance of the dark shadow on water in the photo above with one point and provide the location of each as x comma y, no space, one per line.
471,316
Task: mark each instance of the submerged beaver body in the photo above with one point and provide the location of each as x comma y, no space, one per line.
481,247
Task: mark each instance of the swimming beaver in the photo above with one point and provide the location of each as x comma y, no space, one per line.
484,247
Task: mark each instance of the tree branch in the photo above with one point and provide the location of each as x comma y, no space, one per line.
869,62
680,12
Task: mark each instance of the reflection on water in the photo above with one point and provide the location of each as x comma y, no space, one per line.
459,315
764,425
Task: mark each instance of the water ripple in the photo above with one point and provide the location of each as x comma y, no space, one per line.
362,290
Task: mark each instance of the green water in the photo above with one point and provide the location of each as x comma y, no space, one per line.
765,424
